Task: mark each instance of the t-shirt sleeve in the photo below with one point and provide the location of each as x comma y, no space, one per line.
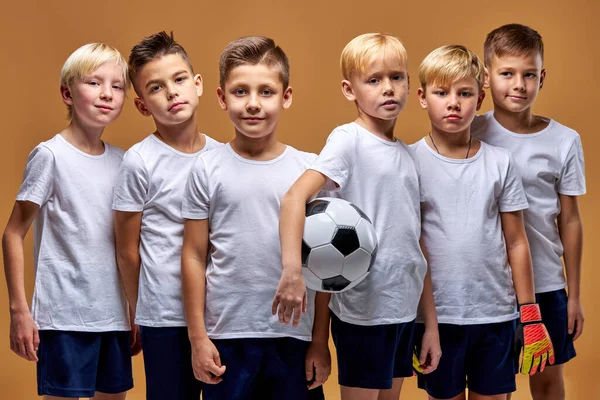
572,176
131,188
38,178
196,203
512,197
336,160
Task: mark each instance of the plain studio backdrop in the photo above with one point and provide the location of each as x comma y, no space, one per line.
37,36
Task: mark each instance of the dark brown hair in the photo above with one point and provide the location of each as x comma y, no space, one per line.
152,47
253,50
512,39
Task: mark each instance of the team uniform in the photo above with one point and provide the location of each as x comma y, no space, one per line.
373,323
78,304
551,163
241,200
472,281
152,181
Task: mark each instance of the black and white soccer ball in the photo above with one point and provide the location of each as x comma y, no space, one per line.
339,245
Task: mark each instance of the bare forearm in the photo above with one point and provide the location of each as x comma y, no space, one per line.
571,234
193,279
321,324
519,259
14,270
291,226
129,269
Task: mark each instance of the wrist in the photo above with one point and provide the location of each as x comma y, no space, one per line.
530,313
18,308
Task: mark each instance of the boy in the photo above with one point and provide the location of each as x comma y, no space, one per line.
550,158
372,324
147,204
472,230
232,199
78,328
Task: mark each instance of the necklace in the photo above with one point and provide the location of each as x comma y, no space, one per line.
436,149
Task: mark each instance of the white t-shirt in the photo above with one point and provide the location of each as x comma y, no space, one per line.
551,163
77,286
152,181
241,200
382,179
462,232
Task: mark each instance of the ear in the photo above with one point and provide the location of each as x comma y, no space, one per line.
221,99
287,98
408,81
422,98
486,79
199,85
542,78
65,94
347,90
141,107
480,99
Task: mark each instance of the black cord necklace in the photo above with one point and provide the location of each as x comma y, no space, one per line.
436,149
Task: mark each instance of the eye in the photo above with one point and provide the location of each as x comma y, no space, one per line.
267,92
180,79
239,92
398,77
530,75
465,94
118,87
373,81
506,74
93,83
155,88
440,93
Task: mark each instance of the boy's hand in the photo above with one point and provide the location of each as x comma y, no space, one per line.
206,361
24,335
290,298
431,352
533,340
575,317
318,364
135,340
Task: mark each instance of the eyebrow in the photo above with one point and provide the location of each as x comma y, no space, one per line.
154,81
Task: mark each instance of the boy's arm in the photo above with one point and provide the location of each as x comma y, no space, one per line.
205,356
24,336
570,229
431,338
127,235
290,297
318,359
531,336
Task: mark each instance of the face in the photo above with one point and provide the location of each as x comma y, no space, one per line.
253,97
515,81
381,90
452,107
168,90
97,99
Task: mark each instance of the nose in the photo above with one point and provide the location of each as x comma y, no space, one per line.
519,83
107,92
453,102
171,92
253,104
388,88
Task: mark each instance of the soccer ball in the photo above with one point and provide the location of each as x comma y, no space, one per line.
339,245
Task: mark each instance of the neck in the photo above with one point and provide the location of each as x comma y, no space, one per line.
452,145
263,149
183,137
84,138
379,127
520,122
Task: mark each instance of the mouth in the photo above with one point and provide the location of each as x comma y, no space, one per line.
390,103
104,108
176,106
513,97
252,119
453,117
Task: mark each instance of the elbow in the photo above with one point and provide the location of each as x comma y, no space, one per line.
127,258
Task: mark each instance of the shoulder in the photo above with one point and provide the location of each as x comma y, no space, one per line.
481,123
211,143
349,130
565,135
300,155
114,151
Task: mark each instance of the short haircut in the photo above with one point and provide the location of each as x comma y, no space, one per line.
448,64
514,40
253,50
86,60
152,47
364,48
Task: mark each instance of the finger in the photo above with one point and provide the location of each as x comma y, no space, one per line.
297,314
22,352
435,360
578,328
30,351
551,355
535,365
526,363
423,355
304,302
287,314
309,370
570,323
274,305
36,339
206,377
215,369
543,362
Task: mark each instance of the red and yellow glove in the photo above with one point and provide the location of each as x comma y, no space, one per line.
532,342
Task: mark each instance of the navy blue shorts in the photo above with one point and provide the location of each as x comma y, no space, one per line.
78,364
553,306
370,357
478,356
168,364
265,368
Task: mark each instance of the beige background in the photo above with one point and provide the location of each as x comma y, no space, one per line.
37,36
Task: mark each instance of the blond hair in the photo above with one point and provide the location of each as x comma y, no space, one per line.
448,64
364,48
86,60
